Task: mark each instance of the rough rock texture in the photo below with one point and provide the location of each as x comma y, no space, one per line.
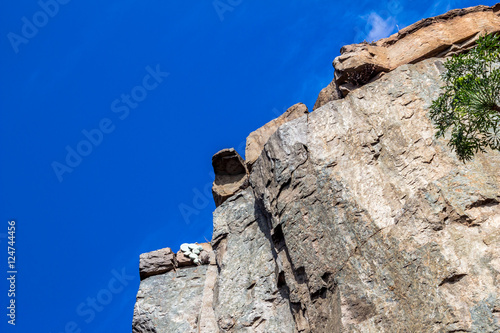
175,295
156,262
231,175
248,296
182,260
383,229
164,260
257,139
356,220
173,302
443,35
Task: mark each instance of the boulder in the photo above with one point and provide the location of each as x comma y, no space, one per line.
156,262
231,175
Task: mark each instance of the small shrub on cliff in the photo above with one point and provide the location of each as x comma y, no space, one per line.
469,103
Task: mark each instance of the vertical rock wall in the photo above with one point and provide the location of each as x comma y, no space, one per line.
383,229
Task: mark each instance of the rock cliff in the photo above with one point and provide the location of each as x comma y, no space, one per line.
352,218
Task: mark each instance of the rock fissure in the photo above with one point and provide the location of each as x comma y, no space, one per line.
452,279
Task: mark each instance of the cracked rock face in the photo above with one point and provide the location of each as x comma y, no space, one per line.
376,225
175,301
176,294
248,295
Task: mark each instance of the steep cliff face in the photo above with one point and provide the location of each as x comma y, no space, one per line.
355,219
376,225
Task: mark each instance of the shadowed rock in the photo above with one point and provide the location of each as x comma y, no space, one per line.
230,175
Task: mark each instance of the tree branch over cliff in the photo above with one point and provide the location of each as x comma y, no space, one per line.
469,103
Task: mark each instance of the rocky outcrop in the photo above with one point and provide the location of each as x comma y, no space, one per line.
164,260
382,228
176,301
258,138
249,296
175,294
356,219
231,175
440,36
329,93
156,262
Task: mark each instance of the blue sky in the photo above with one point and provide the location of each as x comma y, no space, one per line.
110,114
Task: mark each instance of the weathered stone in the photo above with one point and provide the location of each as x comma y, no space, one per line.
450,33
207,247
231,175
173,302
183,260
329,93
380,228
248,296
258,138
208,322
156,262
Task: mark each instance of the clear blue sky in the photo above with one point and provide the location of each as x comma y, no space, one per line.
110,114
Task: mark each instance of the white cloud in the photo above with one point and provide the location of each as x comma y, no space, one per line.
377,27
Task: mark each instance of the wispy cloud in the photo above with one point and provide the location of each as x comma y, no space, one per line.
377,27
439,7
